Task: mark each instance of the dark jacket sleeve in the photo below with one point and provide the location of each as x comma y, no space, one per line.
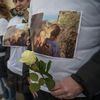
88,76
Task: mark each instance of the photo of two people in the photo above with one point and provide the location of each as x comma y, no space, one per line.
55,35
16,35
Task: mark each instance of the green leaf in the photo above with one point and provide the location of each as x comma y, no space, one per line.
41,81
50,83
34,68
48,75
34,87
48,66
34,76
42,66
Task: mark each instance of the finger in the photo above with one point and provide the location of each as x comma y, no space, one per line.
35,95
57,87
61,97
58,92
65,97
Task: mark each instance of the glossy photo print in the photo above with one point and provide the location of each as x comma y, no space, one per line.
55,34
16,35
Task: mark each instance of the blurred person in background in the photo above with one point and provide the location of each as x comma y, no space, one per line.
4,51
17,78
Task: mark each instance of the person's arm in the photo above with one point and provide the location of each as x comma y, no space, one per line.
88,76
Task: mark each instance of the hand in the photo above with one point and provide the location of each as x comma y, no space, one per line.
66,89
35,95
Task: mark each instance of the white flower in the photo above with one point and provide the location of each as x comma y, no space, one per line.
28,57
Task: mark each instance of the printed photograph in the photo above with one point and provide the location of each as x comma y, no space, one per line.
55,35
17,35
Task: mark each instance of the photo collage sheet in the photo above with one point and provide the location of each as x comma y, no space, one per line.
51,35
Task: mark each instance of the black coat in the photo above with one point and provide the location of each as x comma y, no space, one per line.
3,63
3,59
89,77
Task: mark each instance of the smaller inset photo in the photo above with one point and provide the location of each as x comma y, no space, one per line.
17,35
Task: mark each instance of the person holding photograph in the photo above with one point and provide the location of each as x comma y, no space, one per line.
17,80
87,74
87,44
82,79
